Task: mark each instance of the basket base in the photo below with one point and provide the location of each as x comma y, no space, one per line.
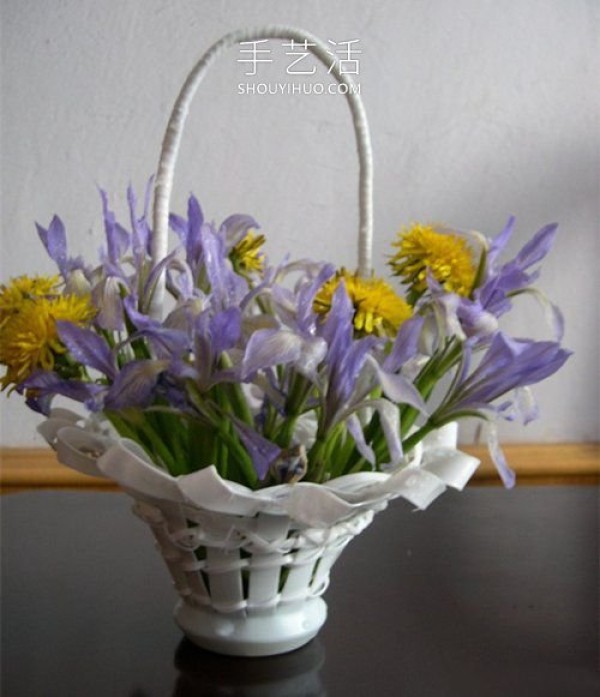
284,629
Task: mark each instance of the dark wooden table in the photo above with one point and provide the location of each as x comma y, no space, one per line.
487,593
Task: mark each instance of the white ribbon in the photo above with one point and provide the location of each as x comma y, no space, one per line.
436,465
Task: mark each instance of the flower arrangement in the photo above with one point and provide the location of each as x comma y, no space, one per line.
278,373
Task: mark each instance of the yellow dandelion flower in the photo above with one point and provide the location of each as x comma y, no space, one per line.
21,290
29,310
448,257
246,256
377,307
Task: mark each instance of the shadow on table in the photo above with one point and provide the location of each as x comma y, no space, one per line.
205,674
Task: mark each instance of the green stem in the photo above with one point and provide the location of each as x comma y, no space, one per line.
345,452
418,436
297,395
333,451
427,380
317,463
358,466
285,434
236,395
437,421
218,421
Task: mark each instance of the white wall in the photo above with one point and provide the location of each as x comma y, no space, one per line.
478,109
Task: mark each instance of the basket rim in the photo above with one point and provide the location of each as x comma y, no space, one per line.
438,464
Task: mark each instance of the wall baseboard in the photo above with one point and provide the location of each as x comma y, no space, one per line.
556,463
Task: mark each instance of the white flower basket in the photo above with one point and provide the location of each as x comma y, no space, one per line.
250,566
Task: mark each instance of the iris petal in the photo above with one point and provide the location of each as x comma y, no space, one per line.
55,241
134,385
87,347
356,431
506,473
269,347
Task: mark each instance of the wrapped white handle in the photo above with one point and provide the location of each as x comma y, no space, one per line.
172,140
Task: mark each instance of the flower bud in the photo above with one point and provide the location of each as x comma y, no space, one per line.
77,284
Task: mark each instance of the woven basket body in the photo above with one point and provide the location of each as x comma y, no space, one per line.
249,585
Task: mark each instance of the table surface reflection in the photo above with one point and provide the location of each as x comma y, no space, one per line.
489,592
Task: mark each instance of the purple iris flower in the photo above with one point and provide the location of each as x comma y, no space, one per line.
114,283
507,364
107,297
118,240
305,315
347,361
515,275
345,357
270,347
180,281
353,373
262,451
208,249
478,316
54,239
140,229
167,342
405,344
42,386
213,334
206,258
88,348
227,288
337,329
190,233
295,339
135,384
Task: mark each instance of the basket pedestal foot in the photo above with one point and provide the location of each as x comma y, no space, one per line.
284,629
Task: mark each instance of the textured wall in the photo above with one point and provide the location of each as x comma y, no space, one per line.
478,110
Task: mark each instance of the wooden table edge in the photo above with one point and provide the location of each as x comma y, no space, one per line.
534,463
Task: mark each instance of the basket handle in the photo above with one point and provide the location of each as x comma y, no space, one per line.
172,140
